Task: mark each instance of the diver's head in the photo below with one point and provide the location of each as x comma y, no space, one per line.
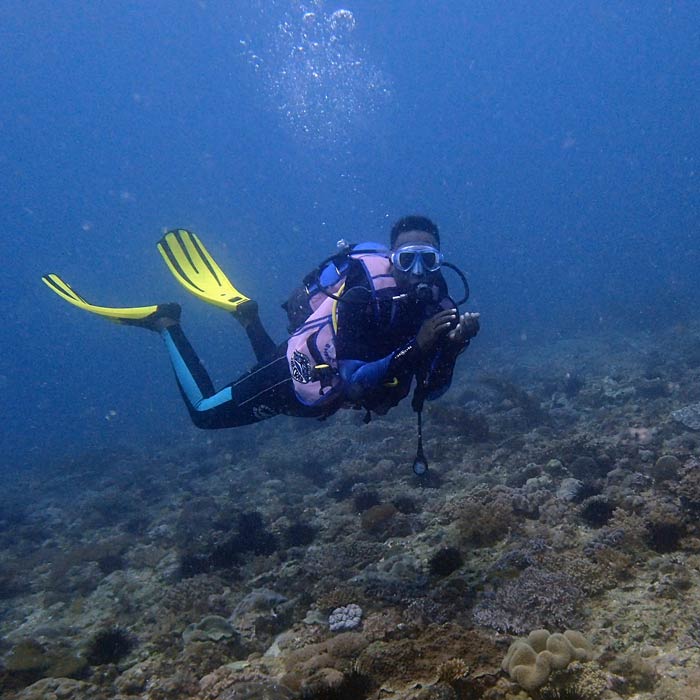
415,251
408,227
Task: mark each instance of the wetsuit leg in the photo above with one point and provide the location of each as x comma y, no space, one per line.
263,346
263,392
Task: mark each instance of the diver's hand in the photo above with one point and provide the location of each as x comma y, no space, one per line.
435,328
465,330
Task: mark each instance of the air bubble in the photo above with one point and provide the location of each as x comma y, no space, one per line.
317,74
342,20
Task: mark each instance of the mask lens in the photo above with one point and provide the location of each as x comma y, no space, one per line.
430,260
405,260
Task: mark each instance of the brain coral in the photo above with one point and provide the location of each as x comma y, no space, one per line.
530,661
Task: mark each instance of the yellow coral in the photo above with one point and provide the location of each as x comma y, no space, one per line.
452,670
584,681
529,662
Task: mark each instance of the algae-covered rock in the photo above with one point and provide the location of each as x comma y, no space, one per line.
666,468
638,673
27,655
48,688
212,628
256,690
260,616
30,661
689,416
68,664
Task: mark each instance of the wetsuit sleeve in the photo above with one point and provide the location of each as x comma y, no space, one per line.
360,377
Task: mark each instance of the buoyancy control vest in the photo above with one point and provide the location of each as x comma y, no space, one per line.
312,310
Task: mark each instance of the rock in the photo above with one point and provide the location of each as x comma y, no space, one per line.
638,673
27,655
653,388
689,416
586,468
377,517
555,468
58,689
666,468
132,681
256,690
67,665
260,616
569,489
210,628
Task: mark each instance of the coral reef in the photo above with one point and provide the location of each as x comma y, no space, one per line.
325,666
485,516
566,494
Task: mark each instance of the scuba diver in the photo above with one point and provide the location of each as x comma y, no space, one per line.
364,324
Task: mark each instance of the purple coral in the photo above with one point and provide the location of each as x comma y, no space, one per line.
537,598
345,618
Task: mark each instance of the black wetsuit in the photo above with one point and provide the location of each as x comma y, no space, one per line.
376,350
376,343
264,391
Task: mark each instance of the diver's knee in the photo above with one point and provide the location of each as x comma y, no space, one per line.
202,421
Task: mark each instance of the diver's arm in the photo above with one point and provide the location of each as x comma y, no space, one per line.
361,377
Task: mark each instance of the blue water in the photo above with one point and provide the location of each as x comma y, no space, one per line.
555,143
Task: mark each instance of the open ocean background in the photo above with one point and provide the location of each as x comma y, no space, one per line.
555,143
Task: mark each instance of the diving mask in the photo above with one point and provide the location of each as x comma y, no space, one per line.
417,259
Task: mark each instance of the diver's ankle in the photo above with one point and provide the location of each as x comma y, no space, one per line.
163,323
247,313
